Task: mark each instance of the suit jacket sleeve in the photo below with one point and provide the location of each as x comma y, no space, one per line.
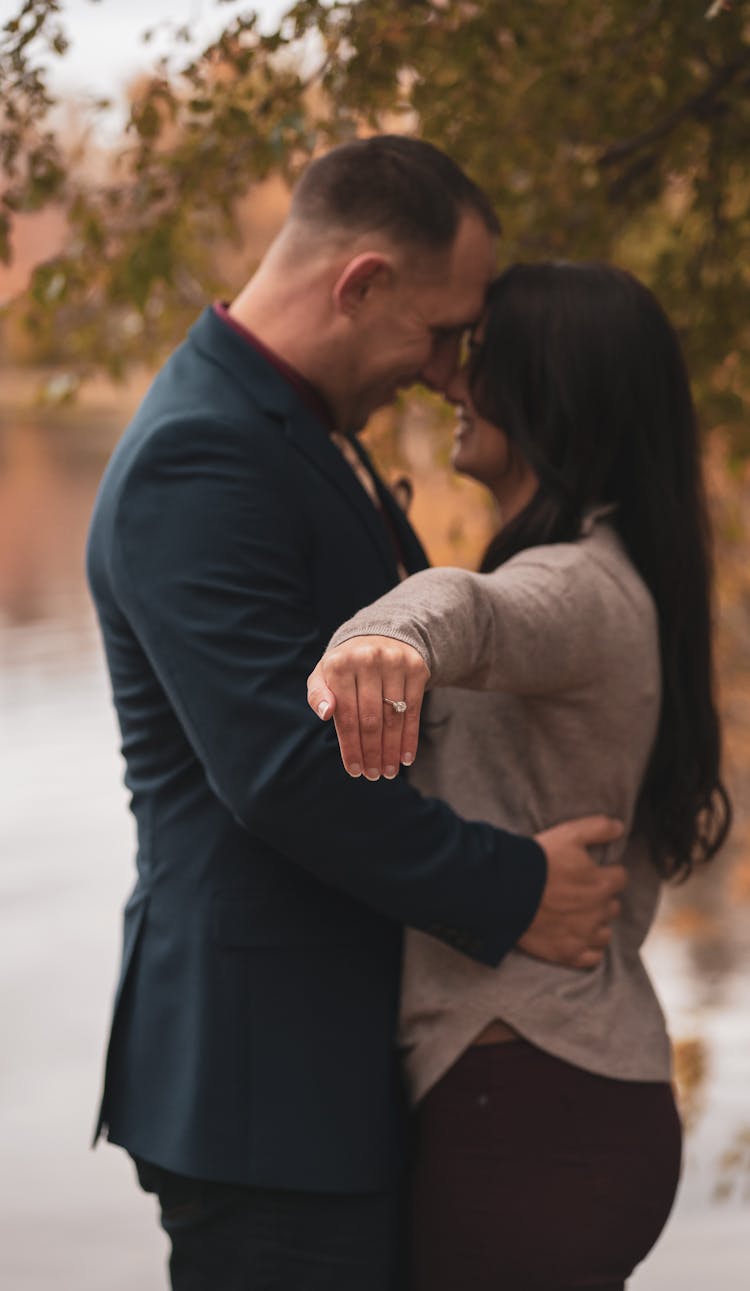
216,574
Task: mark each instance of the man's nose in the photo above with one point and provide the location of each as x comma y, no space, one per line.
442,365
450,380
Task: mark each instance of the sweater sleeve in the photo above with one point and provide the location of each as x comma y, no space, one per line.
532,626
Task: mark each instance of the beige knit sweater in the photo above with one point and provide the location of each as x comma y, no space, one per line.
556,654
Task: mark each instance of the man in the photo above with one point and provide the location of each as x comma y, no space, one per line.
251,1071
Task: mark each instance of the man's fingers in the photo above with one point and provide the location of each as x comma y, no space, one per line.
580,900
600,938
596,890
588,959
592,831
574,838
614,879
576,950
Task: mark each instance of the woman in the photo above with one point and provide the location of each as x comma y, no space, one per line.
548,1139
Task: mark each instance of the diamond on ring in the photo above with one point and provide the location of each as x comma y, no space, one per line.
398,705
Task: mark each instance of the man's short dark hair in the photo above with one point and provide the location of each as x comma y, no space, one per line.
392,184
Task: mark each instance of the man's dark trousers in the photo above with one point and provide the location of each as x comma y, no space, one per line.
252,1042
226,1237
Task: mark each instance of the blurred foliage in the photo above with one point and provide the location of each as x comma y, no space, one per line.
30,160
690,1074
734,1168
617,130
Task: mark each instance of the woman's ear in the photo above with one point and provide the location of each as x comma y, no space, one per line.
358,279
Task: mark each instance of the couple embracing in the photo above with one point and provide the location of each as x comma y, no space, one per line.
320,1099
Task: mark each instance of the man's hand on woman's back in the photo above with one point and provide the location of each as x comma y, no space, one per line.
573,923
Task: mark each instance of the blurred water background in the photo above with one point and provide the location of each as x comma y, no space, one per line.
73,1219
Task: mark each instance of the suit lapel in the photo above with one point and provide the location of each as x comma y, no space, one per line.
308,437
269,390
413,553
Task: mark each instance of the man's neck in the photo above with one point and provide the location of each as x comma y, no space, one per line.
267,309
310,393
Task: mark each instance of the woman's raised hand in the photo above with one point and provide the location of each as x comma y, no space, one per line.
373,688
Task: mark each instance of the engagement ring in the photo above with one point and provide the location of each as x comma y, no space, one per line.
398,705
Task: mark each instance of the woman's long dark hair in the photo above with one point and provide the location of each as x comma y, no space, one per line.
580,367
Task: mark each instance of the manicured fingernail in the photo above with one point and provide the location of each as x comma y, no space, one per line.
390,772
354,769
407,759
372,773
324,709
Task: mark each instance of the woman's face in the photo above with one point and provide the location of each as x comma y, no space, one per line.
485,453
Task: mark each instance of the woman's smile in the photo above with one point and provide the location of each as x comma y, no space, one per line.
464,425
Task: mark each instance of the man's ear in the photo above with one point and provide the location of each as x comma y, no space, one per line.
357,280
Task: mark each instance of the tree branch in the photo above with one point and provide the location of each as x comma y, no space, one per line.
693,107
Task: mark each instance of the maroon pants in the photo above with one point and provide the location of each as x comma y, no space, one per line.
533,1175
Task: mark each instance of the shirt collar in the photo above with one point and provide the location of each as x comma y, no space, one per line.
594,514
304,388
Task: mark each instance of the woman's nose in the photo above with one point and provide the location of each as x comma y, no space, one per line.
455,388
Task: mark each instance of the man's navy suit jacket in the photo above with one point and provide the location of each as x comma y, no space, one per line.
253,1031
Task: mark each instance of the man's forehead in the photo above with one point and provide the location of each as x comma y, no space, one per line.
473,265
470,261
450,289
460,304
474,248
457,321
